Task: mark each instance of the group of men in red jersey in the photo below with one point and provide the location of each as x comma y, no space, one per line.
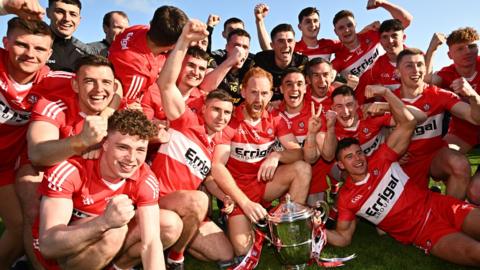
82,140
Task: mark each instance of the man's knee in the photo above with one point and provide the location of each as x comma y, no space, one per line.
303,172
171,227
112,241
473,191
196,203
459,165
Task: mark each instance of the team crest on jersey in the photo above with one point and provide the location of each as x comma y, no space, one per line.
367,41
376,172
32,99
426,107
301,125
269,131
366,130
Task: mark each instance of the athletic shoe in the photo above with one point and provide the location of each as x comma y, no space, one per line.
175,266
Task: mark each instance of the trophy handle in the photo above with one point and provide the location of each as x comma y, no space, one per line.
321,210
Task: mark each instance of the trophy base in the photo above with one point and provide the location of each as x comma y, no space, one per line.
295,267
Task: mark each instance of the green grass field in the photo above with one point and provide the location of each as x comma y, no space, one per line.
373,252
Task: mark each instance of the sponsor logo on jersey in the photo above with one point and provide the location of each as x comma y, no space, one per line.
370,146
124,41
197,162
249,152
365,62
357,198
431,128
87,200
385,195
10,116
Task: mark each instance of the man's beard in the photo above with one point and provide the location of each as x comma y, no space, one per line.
254,114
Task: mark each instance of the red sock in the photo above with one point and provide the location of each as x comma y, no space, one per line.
175,256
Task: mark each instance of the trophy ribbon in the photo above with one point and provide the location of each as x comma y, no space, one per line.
253,256
319,240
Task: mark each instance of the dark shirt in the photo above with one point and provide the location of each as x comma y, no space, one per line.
233,80
66,52
266,60
100,47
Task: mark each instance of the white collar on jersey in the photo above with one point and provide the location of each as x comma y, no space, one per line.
363,181
114,186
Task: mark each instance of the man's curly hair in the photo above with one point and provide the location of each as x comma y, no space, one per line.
461,35
133,123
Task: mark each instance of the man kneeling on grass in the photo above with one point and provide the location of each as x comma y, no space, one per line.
381,192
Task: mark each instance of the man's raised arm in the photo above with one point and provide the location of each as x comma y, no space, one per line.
172,100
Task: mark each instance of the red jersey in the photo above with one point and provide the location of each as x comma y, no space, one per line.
381,73
152,102
369,132
324,48
80,180
386,197
251,144
463,129
185,161
326,101
428,135
298,124
62,112
359,60
135,64
16,102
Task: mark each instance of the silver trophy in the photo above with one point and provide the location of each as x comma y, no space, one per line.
291,226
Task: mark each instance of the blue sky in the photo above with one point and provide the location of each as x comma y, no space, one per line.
429,16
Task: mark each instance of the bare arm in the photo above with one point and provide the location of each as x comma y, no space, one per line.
261,11
58,239
26,9
437,40
469,112
46,149
400,138
152,250
342,235
310,149
172,99
327,149
214,78
225,181
397,12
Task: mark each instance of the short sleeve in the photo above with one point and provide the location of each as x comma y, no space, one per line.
49,111
148,191
59,181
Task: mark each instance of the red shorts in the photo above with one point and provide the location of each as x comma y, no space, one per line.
254,190
320,170
8,171
467,132
46,263
446,216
